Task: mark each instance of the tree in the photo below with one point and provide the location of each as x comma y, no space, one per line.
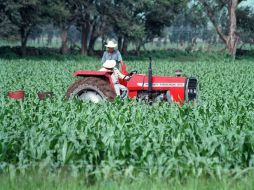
213,9
7,29
90,23
139,20
125,18
245,20
22,15
64,14
189,24
161,13
84,10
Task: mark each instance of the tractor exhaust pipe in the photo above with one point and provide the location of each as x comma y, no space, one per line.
150,82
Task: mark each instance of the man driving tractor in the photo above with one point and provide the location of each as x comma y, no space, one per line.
112,54
109,66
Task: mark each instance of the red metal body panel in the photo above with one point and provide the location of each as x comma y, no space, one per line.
176,85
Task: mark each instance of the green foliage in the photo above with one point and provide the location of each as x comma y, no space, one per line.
52,182
192,19
21,17
161,13
60,11
126,17
22,14
245,18
139,20
126,138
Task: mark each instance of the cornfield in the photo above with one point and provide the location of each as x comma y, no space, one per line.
214,137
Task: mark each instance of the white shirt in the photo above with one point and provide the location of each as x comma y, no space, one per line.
115,75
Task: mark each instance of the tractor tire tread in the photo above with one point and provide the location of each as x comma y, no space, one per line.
97,82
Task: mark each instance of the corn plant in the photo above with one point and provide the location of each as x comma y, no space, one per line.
214,137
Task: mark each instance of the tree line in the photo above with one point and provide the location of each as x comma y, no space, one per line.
136,21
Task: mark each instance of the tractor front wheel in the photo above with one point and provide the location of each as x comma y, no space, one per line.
92,89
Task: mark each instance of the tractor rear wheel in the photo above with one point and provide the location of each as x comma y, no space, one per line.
92,89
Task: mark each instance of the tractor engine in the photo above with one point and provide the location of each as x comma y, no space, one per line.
155,96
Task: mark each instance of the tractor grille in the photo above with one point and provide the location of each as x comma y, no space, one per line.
191,89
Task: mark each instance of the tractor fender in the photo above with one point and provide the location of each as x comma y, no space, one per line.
99,74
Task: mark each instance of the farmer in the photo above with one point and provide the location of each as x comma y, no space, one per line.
109,66
112,54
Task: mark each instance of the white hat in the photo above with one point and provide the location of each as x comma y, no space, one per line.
111,44
109,64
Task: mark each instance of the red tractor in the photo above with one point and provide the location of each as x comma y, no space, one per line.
97,86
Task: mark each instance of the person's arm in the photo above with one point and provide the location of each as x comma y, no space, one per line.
121,62
121,75
119,57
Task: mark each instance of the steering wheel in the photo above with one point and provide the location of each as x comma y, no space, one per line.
130,74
